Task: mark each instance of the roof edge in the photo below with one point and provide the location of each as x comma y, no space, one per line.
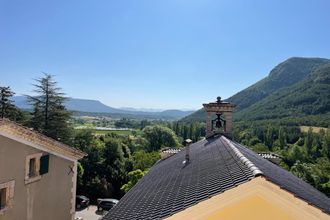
10,129
254,169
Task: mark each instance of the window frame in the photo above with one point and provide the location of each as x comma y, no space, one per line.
36,176
9,195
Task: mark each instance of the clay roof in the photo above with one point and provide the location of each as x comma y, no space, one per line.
216,164
23,134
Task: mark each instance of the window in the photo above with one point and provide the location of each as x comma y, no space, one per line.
32,167
3,196
6,195
36,165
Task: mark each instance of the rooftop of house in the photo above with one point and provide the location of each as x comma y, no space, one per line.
216,164
33,138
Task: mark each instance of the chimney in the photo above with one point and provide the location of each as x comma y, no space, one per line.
219,118
187,143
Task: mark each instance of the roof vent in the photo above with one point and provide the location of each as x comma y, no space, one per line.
187,143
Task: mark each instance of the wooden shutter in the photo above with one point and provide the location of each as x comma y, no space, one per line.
44,164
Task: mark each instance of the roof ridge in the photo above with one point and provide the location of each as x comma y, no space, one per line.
254,169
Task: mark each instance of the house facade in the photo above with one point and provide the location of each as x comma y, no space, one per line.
37,175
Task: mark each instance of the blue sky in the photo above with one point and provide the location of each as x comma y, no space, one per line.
152,53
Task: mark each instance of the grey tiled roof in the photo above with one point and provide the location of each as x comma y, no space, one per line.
287,180
215,166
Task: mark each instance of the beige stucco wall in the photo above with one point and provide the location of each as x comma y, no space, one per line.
254,200
48,198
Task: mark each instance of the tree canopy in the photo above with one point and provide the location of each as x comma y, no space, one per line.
49,115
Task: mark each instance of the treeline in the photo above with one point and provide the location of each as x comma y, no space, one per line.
114,162
305,154
194,130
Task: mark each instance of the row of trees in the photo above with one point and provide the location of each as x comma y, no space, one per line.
305,154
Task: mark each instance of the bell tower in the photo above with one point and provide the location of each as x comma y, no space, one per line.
219,117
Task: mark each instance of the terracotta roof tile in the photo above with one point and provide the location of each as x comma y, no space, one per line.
12,129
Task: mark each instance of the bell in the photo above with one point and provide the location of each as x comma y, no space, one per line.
218,124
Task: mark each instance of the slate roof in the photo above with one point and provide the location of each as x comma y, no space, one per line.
216,165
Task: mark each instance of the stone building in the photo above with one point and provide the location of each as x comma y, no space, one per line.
37,175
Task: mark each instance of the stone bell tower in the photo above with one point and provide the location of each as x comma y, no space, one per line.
219,118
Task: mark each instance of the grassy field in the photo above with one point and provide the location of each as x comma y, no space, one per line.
314,129
119,132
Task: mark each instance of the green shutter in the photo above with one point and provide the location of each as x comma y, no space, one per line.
44,164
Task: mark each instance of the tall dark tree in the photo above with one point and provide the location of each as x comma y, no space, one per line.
5,102
269,138
7,108
309,142
49,115
281,137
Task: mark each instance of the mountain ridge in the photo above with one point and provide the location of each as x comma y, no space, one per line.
282,76
96,106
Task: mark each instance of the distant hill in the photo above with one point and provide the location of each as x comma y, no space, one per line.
309,97
283,75
141,109
85,105
261,94
94,106
175,113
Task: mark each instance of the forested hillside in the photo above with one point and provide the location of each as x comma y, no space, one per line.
283,75
301,78
308,98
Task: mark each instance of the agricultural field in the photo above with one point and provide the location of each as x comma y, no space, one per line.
119,132
314,129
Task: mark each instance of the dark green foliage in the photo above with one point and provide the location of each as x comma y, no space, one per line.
283,75
192,130
197,116
92,165
5,103
160,137
127,123
304,154
143,160
7,107
116,165
49,115
269,138
112,157
308,142
310,96
133,177
326,143
281,138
